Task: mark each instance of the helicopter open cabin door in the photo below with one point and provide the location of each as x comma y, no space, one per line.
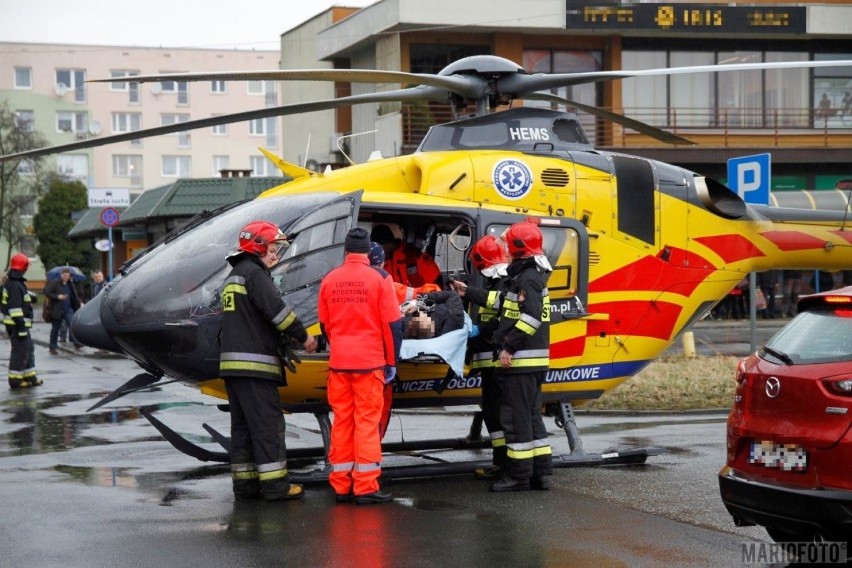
566,245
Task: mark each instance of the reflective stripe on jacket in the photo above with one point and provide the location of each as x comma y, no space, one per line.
253,318
524,329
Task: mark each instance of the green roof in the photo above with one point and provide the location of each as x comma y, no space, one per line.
140,209
188,197
183,198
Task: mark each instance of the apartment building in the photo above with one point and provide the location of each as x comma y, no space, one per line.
46,85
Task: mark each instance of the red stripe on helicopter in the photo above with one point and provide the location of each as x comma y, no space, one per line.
731,248
844,235
573,347
676,270
636,317
793,240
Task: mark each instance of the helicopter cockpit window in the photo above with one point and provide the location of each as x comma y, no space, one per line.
192,267
524,129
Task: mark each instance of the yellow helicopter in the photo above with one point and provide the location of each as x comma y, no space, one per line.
641,249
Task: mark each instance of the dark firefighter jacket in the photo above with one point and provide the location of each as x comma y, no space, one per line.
488,302
253,319
524,329
17,305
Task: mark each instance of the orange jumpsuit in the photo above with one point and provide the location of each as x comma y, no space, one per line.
407,265
357,306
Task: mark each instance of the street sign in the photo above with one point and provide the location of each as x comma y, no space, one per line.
110,217
103,245
117,197
750,177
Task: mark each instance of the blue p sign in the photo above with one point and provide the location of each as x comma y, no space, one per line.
750,177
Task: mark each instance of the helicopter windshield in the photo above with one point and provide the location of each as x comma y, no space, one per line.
181,279
523,129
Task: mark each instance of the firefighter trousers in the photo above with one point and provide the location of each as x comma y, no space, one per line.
492,391
21,360
258,451
355,455
528,452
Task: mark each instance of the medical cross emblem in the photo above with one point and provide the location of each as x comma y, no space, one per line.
512,178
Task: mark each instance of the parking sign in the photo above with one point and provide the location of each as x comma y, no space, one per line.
750,177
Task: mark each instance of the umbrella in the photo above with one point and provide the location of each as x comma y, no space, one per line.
77,275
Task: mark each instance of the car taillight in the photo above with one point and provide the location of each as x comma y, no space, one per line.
837,300
741,382
842,386
843,313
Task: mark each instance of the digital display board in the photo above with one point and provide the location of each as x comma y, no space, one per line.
687,17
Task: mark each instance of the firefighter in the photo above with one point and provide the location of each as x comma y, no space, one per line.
523,336
406,263
359,316
18,316
256,323
490,258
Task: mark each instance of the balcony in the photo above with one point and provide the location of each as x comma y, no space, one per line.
708,127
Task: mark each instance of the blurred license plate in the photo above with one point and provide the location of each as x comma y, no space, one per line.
787,457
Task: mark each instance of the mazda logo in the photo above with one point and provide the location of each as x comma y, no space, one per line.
773,387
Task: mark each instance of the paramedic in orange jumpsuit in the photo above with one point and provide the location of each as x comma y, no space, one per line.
406,263
359,316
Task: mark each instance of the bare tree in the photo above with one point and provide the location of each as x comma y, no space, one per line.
21,181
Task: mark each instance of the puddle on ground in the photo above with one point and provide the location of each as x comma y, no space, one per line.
39,432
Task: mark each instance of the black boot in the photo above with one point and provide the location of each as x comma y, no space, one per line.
541,482
510,484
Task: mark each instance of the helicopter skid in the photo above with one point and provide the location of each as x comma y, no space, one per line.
577,458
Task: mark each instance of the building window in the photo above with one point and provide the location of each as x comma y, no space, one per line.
259,165
832,93
126,122
73,79
256,87
220,163
23,78
183,137
25,120
26,168
218,87
73,166
770,98
220,130
271,133
68,121
27,245
132,89
558,61
180,88
177,166
257,127
125,166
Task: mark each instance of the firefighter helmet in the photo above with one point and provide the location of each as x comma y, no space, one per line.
524,240
256,236
486,252
19,262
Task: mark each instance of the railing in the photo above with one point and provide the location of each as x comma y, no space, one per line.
721,127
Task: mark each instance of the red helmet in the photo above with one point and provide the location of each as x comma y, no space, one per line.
257,235
524,240
487,252
19,262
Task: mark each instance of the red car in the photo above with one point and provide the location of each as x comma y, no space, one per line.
789,464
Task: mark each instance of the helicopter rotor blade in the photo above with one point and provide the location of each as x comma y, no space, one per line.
470,87
414,94
518,85
641,127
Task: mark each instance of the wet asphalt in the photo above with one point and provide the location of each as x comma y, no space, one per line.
103,488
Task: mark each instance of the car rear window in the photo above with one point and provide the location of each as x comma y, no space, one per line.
823,336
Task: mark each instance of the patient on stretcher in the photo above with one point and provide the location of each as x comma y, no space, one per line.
436,324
